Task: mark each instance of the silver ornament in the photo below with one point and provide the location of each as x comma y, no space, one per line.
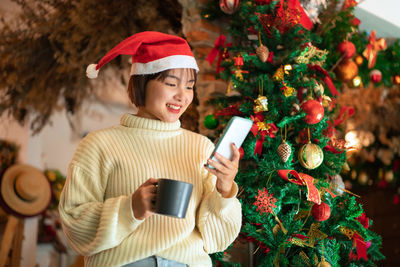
338,185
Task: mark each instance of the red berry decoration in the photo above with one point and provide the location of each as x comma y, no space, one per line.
346,48
314,111
375,76
321,212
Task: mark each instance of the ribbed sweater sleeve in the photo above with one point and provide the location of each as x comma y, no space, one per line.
110,164
219,219
92,224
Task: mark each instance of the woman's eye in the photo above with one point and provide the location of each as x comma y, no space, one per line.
170,84
189,88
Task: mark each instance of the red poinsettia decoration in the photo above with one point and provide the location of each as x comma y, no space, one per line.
265,201
232,110
288,14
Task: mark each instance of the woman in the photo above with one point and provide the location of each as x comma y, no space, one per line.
107,204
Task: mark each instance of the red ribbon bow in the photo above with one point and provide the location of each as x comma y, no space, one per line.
218,49
361,246
372,49
344,113
264,128
326,78
302,179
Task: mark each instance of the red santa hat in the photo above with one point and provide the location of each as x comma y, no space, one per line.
152,52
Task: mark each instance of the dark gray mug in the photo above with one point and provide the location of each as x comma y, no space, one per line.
173,197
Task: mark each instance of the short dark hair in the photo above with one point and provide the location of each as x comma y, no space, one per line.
137,85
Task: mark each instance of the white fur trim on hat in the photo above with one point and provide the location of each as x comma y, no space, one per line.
91,71
166,63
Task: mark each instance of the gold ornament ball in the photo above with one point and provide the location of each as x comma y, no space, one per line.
359,60
347,70
323,263
311,156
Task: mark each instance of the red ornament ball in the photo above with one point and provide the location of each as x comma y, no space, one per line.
229,6
346,48
321,212
375,76
314,111
355,22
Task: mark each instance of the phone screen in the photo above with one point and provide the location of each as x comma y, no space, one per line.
235,132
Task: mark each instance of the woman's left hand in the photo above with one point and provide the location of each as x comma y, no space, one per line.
225,170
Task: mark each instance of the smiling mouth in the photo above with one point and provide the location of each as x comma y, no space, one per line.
174,107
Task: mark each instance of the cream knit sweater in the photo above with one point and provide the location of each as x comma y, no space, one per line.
110,164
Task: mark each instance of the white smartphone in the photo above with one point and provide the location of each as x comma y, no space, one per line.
235,132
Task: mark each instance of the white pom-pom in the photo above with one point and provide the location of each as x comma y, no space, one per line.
91,71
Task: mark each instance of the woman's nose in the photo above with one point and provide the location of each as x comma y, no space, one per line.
180,91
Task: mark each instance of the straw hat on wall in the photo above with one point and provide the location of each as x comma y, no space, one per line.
24,191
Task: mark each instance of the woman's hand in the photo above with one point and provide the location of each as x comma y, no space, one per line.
144,198
225,170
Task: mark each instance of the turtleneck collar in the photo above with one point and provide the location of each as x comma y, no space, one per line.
133,121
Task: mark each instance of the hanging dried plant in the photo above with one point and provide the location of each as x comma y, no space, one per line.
45,50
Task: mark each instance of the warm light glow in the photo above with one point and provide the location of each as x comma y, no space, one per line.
357,81
287,68
352,141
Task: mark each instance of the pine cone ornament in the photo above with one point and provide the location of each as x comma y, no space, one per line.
284,151
262,53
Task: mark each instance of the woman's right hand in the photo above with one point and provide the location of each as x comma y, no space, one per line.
144,198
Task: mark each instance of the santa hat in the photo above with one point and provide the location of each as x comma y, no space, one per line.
152,52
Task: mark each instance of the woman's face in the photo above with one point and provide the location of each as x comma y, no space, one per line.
167,100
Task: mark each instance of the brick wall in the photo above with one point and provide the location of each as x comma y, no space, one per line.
201,35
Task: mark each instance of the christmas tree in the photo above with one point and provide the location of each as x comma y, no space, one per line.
284,68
